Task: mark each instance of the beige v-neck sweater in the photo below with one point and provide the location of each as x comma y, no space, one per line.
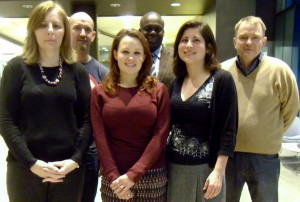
268,101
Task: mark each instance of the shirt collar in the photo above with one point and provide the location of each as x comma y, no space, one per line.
157,51
254,65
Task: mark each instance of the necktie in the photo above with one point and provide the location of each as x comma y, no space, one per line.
153,70
154,57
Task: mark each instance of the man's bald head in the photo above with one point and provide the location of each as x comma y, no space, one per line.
82,33
153,18
152,26
81,16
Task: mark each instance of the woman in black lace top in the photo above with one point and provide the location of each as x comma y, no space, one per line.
204,118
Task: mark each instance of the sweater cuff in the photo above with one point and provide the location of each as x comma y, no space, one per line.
135,174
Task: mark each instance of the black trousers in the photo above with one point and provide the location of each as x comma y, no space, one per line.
91,177
24,186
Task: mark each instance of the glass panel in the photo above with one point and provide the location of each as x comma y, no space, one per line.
108,27
11,50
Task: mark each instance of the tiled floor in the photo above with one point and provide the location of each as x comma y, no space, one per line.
289,183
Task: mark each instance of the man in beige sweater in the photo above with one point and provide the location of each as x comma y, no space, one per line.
268,101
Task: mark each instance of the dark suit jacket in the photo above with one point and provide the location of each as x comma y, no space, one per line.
165,73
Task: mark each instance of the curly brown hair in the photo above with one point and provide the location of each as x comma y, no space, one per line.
146,83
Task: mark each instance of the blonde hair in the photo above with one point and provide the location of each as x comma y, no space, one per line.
36,18
253,20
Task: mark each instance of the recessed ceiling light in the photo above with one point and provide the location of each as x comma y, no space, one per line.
115,5
27,6
175,4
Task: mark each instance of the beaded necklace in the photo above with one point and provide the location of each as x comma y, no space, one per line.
57,80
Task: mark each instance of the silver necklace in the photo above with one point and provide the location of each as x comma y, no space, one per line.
57,80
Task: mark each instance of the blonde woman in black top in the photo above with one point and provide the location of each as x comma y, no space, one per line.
44,117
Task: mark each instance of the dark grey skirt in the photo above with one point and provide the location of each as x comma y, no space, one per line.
186,182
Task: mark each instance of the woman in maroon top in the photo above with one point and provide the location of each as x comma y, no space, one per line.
130,114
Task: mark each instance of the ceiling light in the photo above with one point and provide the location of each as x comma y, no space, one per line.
175,4
27,6
115,5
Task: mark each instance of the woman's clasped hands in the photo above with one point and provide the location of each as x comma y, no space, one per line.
53,172
121,187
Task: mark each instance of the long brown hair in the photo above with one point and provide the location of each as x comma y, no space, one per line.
211,62
36,18
145,82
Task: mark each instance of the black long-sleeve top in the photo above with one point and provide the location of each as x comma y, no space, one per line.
39,121
216,121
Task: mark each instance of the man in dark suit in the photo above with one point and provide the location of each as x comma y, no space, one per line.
152,26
